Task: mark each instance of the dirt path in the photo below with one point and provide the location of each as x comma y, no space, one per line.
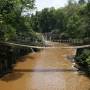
45,70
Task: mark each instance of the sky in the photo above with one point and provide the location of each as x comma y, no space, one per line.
40,4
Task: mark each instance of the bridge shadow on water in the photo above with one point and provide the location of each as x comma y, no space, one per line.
18,73
45,70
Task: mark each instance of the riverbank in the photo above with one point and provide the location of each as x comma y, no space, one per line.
82,59
10,55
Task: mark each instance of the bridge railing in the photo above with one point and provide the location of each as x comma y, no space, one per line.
41,47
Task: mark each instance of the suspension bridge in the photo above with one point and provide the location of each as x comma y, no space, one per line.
44,46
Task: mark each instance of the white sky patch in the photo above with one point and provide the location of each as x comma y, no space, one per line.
40,4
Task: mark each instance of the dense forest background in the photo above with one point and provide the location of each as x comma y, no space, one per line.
71,21
18,24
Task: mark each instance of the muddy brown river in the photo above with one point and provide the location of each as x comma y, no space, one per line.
49,69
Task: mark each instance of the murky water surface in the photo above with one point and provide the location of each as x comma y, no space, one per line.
45,70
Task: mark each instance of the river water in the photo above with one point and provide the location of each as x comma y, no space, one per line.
49,69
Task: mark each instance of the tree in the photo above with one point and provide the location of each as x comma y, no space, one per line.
11,13
43,21
82,1
87,15
60,20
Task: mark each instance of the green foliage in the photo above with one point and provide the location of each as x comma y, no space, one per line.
81,1
43,21
15,27
83,58
88,60
72,20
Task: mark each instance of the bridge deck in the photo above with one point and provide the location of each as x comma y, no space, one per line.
42,47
